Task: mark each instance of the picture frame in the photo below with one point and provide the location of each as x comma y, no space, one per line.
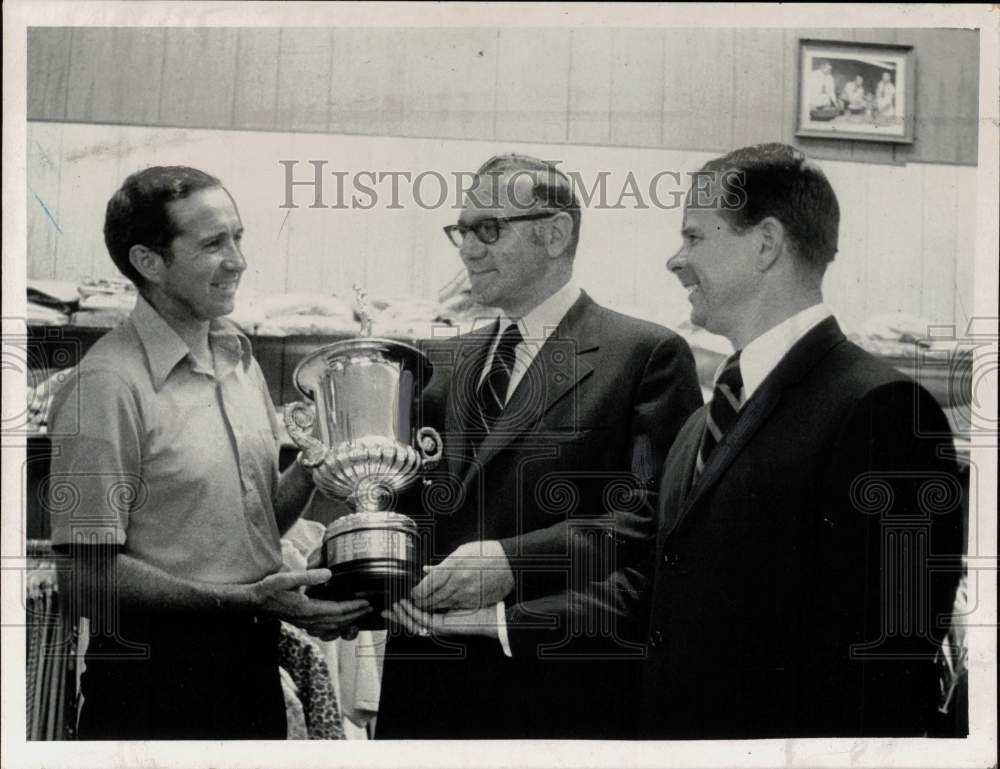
856,91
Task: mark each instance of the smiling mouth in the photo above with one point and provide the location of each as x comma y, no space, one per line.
229,285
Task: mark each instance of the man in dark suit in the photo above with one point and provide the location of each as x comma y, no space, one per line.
809,515
556,418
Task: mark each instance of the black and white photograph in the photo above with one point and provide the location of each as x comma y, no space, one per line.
858,91
459,384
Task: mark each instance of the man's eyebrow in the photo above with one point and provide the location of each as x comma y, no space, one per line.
218,234
474,218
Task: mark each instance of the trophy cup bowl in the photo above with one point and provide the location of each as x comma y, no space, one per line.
363,394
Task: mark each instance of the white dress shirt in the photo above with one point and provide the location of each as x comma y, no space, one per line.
536,327
763,354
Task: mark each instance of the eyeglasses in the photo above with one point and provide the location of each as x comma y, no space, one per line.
487,230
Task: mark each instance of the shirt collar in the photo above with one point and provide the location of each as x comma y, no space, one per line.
538,324
763,354
165,348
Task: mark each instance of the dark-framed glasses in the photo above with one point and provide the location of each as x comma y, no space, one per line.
488,230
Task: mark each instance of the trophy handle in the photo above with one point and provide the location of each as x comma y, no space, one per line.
299,418
430,446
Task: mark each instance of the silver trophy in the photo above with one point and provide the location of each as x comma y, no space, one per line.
363,394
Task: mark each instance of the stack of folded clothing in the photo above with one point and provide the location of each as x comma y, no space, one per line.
895,335
105,302
40,388
399,317
917,347
51,302
40,315
301,313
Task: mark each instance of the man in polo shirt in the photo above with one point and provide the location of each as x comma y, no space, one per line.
175,503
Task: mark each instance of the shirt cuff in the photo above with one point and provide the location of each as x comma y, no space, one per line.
502,629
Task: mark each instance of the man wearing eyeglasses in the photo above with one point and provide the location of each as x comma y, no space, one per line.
556,416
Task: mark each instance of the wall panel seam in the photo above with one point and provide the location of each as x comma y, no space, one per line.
69,68
236,80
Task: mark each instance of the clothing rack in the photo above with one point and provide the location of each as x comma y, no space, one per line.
50,670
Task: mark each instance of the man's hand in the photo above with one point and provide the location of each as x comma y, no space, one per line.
475,575
281,596
459,622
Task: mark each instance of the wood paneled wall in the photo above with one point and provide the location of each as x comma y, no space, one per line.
692,89
906,241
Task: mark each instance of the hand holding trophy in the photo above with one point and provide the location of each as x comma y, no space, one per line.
364,392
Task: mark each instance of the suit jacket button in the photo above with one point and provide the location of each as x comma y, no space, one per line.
656,638
671,559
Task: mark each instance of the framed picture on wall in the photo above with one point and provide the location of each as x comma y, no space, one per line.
856,91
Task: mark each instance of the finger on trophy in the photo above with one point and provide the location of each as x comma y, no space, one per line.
401,614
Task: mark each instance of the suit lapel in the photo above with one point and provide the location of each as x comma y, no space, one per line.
675,485
556,370
799,360
688,458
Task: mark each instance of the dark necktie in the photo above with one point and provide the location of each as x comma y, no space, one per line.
723,410
492,393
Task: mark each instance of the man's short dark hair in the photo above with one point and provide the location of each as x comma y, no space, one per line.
780,181
551,188
137,213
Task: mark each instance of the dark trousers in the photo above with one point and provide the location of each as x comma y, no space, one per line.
199,677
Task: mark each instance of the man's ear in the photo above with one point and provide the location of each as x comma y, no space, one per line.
558,234
148,263
772,240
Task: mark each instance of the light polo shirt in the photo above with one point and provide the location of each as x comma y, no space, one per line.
175,463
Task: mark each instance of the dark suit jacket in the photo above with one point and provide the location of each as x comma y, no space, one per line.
565,482
803,582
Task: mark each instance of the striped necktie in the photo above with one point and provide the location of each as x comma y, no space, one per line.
727,397
492,393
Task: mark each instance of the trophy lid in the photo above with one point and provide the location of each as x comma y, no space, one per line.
310,369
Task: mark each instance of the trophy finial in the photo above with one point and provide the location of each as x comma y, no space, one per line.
366,319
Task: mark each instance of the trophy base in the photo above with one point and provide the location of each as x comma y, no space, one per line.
372,555
380,581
